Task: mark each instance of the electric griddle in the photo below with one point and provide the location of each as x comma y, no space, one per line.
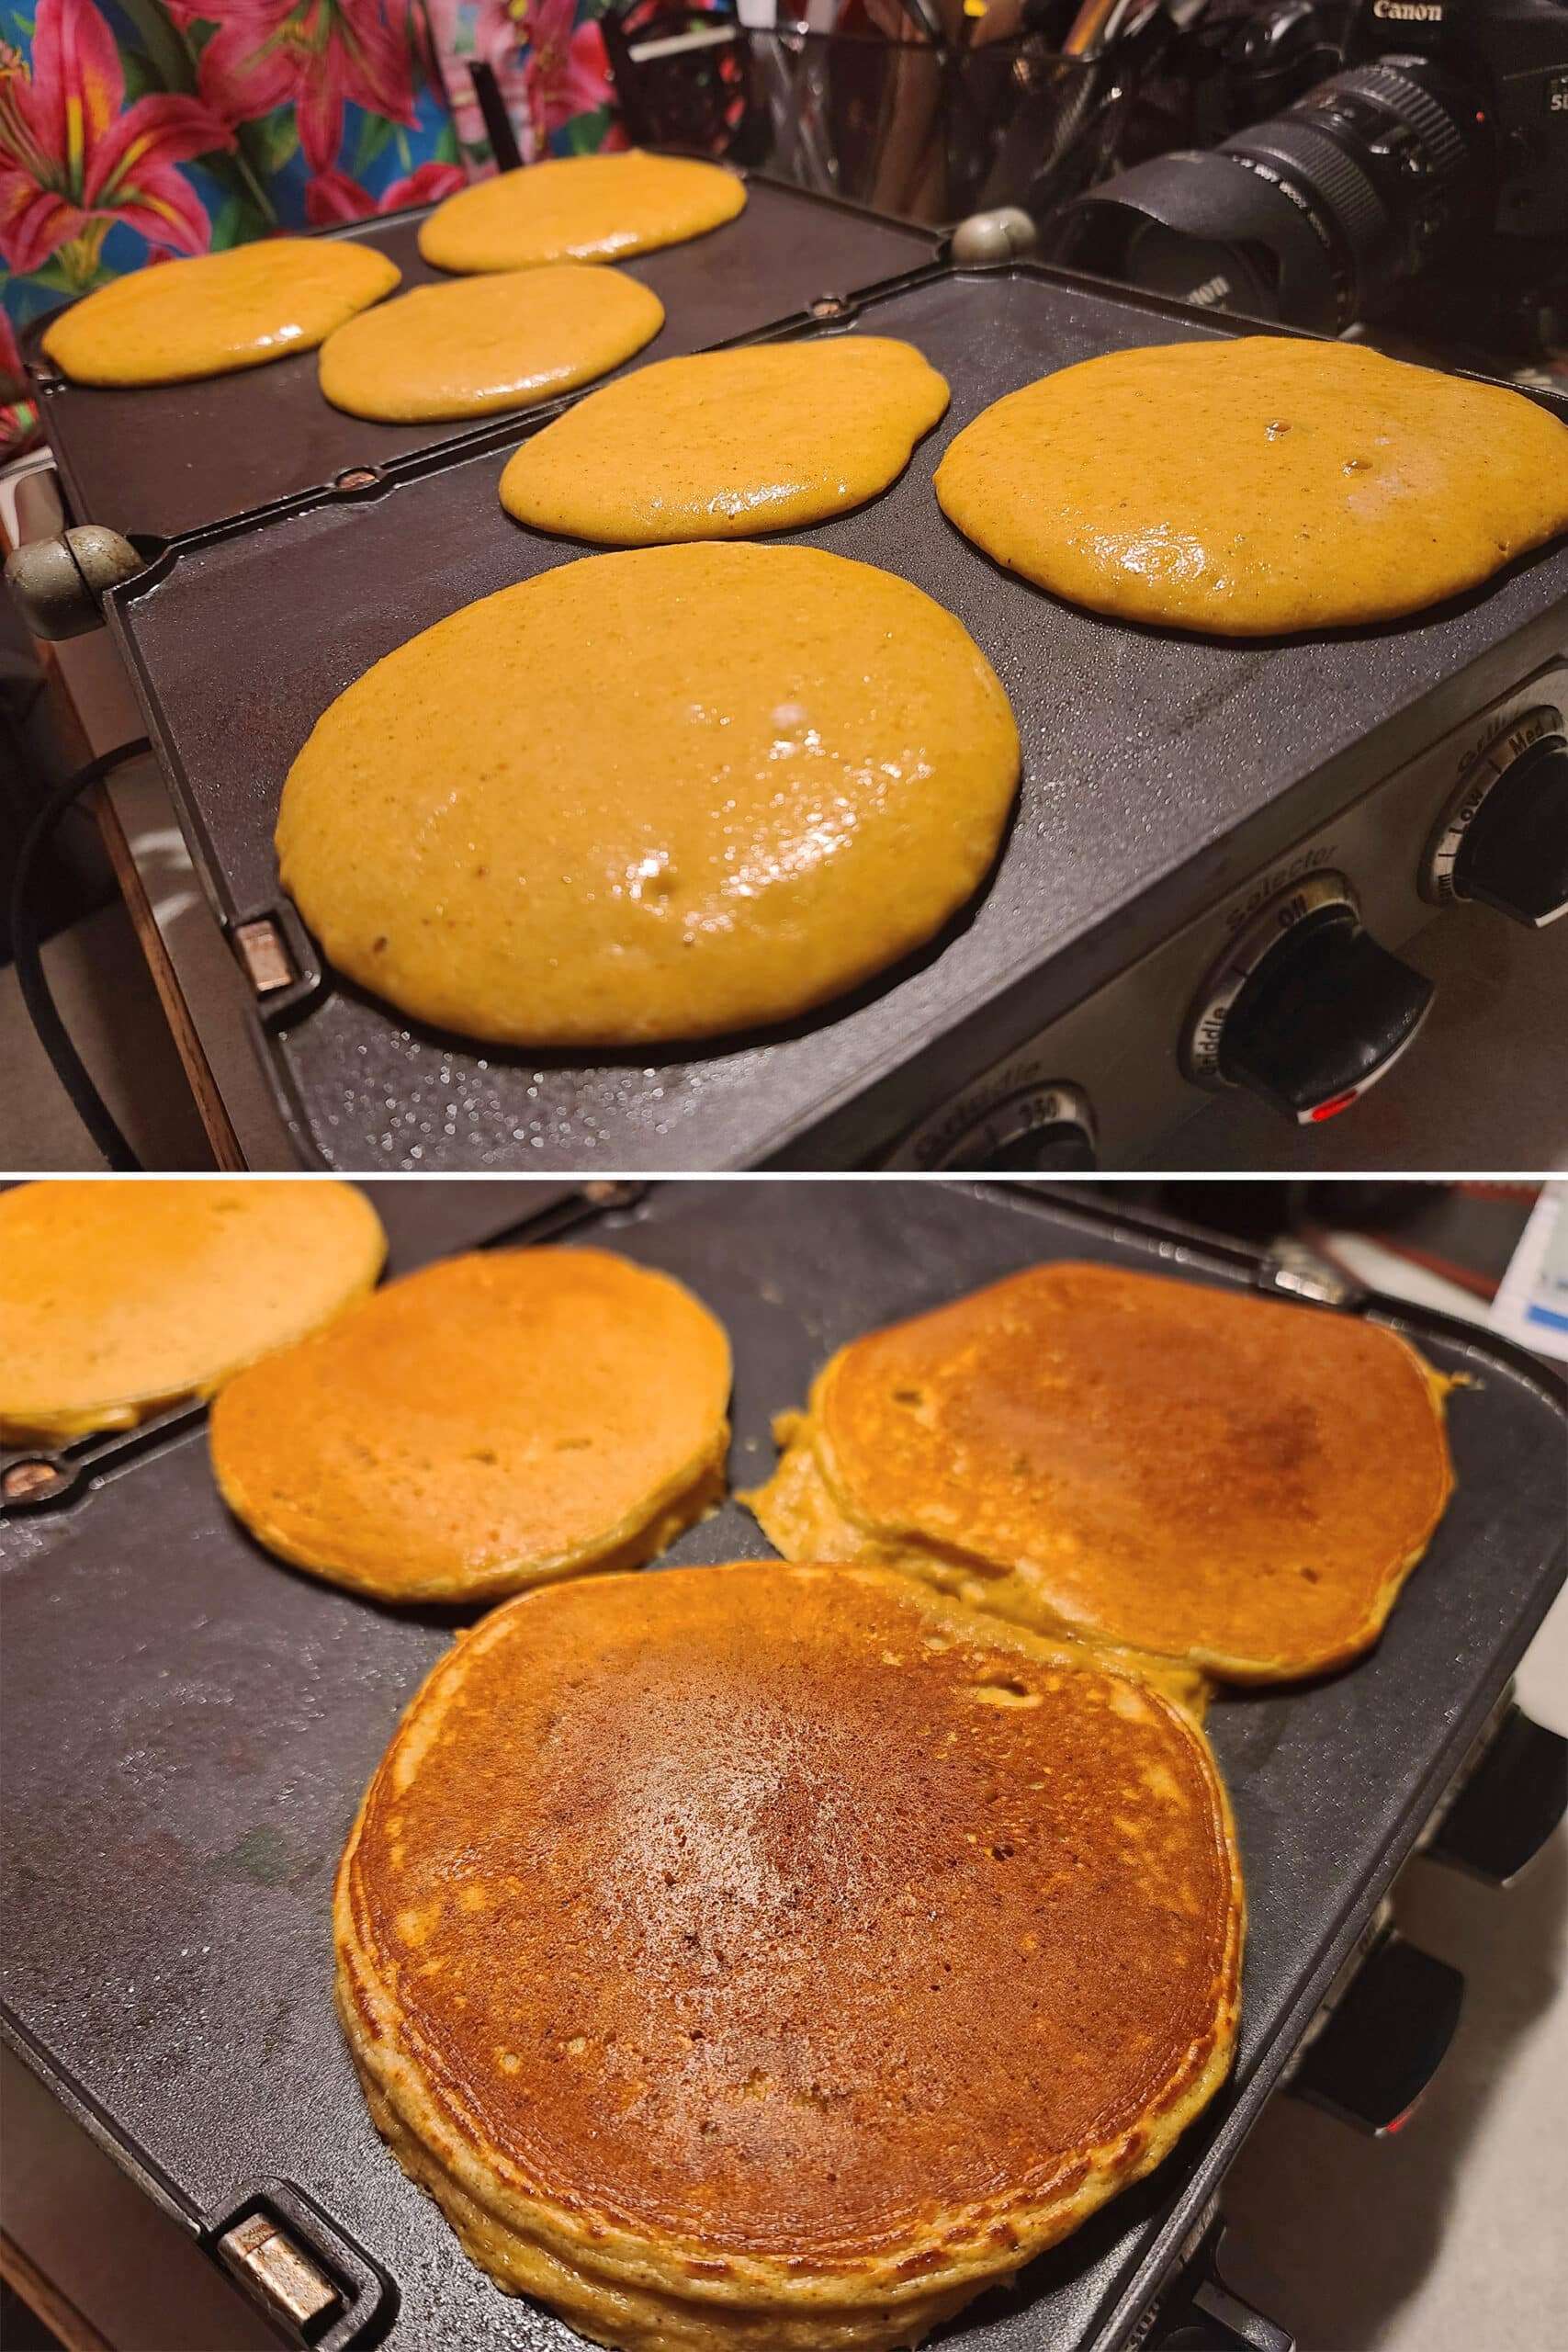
1176,792
190,1726
157,461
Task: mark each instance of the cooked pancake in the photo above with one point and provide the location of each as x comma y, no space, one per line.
730,444
218,313
775,1957
116,1299
488,1423
1258,485
660,795
1236,1483
581,208
483,343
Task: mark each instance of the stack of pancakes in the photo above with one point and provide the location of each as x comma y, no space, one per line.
773,1957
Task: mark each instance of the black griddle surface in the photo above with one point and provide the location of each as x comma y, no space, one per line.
190,1728
157,462
1159,768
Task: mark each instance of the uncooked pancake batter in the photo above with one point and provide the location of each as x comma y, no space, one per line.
579,207
484,343
730,444
1255,486
658,795
219,312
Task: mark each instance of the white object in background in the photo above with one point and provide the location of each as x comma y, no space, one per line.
758,15
1532,1304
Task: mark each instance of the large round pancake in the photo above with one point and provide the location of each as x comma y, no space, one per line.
579,207
773,1957
219,313
482,343
487,1423
1258,485
730,444
1240,1484
116,1298
665,793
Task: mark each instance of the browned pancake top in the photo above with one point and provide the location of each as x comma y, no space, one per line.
782,1908
1193,1472
497,1411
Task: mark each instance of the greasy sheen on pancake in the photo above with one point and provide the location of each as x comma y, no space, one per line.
119,1298
730,444
488,1423
660,795
579,207
1257,485
219,313
483,343
1238,1484
770,1957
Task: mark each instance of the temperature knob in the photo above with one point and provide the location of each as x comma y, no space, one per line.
1503,837
999,1126
1305,1008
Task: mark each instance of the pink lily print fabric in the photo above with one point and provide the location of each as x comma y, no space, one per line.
549,58
132,131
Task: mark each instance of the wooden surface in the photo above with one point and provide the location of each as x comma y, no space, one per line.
22,2274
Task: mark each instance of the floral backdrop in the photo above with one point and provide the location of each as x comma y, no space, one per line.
134,130
549,58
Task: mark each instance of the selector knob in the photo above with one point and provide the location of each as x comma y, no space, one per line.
1305,1009
1503,837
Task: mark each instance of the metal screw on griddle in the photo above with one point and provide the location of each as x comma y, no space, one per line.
828,306
357,478
29,1481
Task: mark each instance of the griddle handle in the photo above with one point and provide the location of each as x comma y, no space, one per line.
498,122
1203,2315
1510,1804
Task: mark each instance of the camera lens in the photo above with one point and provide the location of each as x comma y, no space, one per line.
1307,218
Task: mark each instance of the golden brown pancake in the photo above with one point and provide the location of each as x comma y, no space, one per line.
775,1957
660,795
118,1298
488,1423
579,207
484,343
1255,486
728,444
1237,1484
219,313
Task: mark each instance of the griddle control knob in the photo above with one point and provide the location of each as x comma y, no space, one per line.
1305,1008
1010,1121
1503,837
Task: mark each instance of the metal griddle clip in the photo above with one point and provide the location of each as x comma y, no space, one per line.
278,957
1299,1273
308,2276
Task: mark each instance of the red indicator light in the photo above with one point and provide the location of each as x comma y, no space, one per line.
1399,2122
1340,1103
